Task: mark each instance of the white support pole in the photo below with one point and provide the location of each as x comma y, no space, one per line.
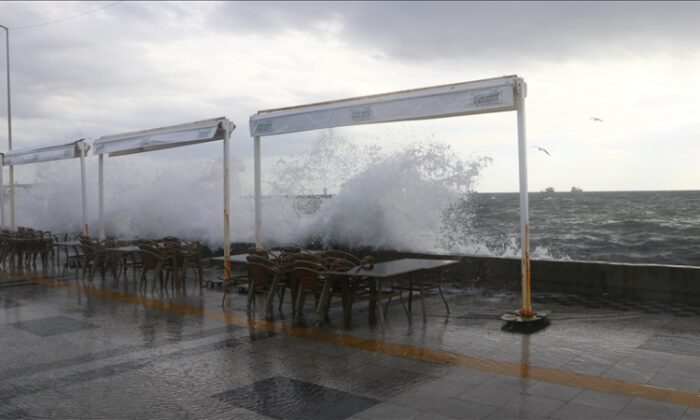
9,128
258,196
227,226
102,198
83,146
2,195
13,225
526,310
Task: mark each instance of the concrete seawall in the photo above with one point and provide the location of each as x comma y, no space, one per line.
662,283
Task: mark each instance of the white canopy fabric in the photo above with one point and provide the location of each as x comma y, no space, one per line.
45,154
165,138
482,96
492,95
76,149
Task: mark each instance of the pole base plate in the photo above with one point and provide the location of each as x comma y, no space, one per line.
517,318
514,322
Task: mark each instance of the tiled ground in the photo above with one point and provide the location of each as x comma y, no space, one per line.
75,349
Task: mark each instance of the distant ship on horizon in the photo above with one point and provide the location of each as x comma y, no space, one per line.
549,190
576,189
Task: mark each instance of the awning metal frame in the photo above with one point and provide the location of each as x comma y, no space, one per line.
165,138
76,149
470,98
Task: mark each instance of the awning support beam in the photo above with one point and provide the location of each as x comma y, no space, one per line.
469,98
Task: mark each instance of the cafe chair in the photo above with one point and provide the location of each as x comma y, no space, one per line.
159,260
310,278
265,275
95,257
426,282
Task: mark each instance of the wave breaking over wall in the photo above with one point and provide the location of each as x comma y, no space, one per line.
417,198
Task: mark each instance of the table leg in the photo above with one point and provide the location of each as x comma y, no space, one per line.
379,305
347,301
270,296
372,317
323,300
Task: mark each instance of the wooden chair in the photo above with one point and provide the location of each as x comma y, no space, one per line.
353,289
268,277
157,259
95,257
427,281
195,261
311,278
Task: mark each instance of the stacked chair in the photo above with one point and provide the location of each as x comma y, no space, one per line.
22,248
305,273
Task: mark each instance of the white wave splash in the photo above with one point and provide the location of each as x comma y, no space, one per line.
418,198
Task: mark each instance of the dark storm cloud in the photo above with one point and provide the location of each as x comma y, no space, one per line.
515,30
92,72
98,70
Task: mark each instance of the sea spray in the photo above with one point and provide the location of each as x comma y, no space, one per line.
419,197
404,200
144,198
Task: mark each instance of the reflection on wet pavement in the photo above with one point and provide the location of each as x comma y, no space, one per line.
81,349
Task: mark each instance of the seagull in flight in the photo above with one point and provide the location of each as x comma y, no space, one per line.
596,119
542,149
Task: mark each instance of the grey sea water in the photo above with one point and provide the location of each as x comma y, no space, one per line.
649,227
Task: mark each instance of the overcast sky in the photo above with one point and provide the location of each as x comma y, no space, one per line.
139,65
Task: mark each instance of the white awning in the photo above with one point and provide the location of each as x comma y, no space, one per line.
45,154
163,138
490,95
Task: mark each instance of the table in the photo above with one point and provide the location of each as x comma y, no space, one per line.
241,258
118,257
381,272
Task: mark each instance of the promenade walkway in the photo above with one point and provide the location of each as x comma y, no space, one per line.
77,349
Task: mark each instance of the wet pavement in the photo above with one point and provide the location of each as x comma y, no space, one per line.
75,349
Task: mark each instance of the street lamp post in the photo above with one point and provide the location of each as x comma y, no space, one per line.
9,132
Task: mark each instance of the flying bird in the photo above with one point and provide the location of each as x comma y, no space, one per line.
542,149
596,119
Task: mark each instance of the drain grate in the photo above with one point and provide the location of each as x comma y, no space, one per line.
285,398
56,325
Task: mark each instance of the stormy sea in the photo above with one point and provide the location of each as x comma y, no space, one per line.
649,227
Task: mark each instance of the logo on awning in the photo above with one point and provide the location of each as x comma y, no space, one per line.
264,126
490,98
360,114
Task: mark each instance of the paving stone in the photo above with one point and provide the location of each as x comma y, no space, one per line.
527,407
489,396
575,411
47,327
602,400
388,411
691,414
554,391
645,409
676,382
